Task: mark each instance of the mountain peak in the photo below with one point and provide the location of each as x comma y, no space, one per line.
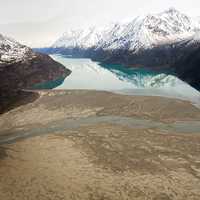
142,32
10,50
172,11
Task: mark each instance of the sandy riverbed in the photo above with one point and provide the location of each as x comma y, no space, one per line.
88,145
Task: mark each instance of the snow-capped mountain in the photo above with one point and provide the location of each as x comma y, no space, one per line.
141,33
91,37
12,51
151,30
21,67
81,38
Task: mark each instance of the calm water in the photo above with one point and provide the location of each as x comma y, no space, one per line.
87,74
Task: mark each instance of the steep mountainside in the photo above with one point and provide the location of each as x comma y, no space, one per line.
188,66
11,51
21,68
141,33
82,38
152,40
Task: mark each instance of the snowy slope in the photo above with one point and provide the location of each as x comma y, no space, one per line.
140,33
12,51
82,38
21,67
89,37
151,30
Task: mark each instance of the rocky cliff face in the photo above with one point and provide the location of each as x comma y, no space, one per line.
28,72
21,68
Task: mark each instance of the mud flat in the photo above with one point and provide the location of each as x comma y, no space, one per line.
88,145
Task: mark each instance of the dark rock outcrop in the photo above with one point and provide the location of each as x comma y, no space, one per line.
25,74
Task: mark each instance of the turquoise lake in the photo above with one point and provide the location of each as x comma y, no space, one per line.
90,75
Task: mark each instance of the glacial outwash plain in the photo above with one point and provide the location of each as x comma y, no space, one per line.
71,144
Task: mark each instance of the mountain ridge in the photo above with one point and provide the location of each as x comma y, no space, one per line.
21,68
140,33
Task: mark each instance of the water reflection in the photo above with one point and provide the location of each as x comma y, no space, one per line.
87,74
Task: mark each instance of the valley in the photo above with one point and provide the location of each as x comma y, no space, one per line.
103,113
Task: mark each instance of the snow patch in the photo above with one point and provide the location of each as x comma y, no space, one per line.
11,51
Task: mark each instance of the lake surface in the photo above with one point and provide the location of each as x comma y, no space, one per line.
87,74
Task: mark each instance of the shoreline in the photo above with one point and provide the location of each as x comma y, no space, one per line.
26,96
168,86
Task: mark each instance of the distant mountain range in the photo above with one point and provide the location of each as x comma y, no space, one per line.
154,40
140,33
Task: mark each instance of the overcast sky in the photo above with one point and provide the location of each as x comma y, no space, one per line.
38,22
